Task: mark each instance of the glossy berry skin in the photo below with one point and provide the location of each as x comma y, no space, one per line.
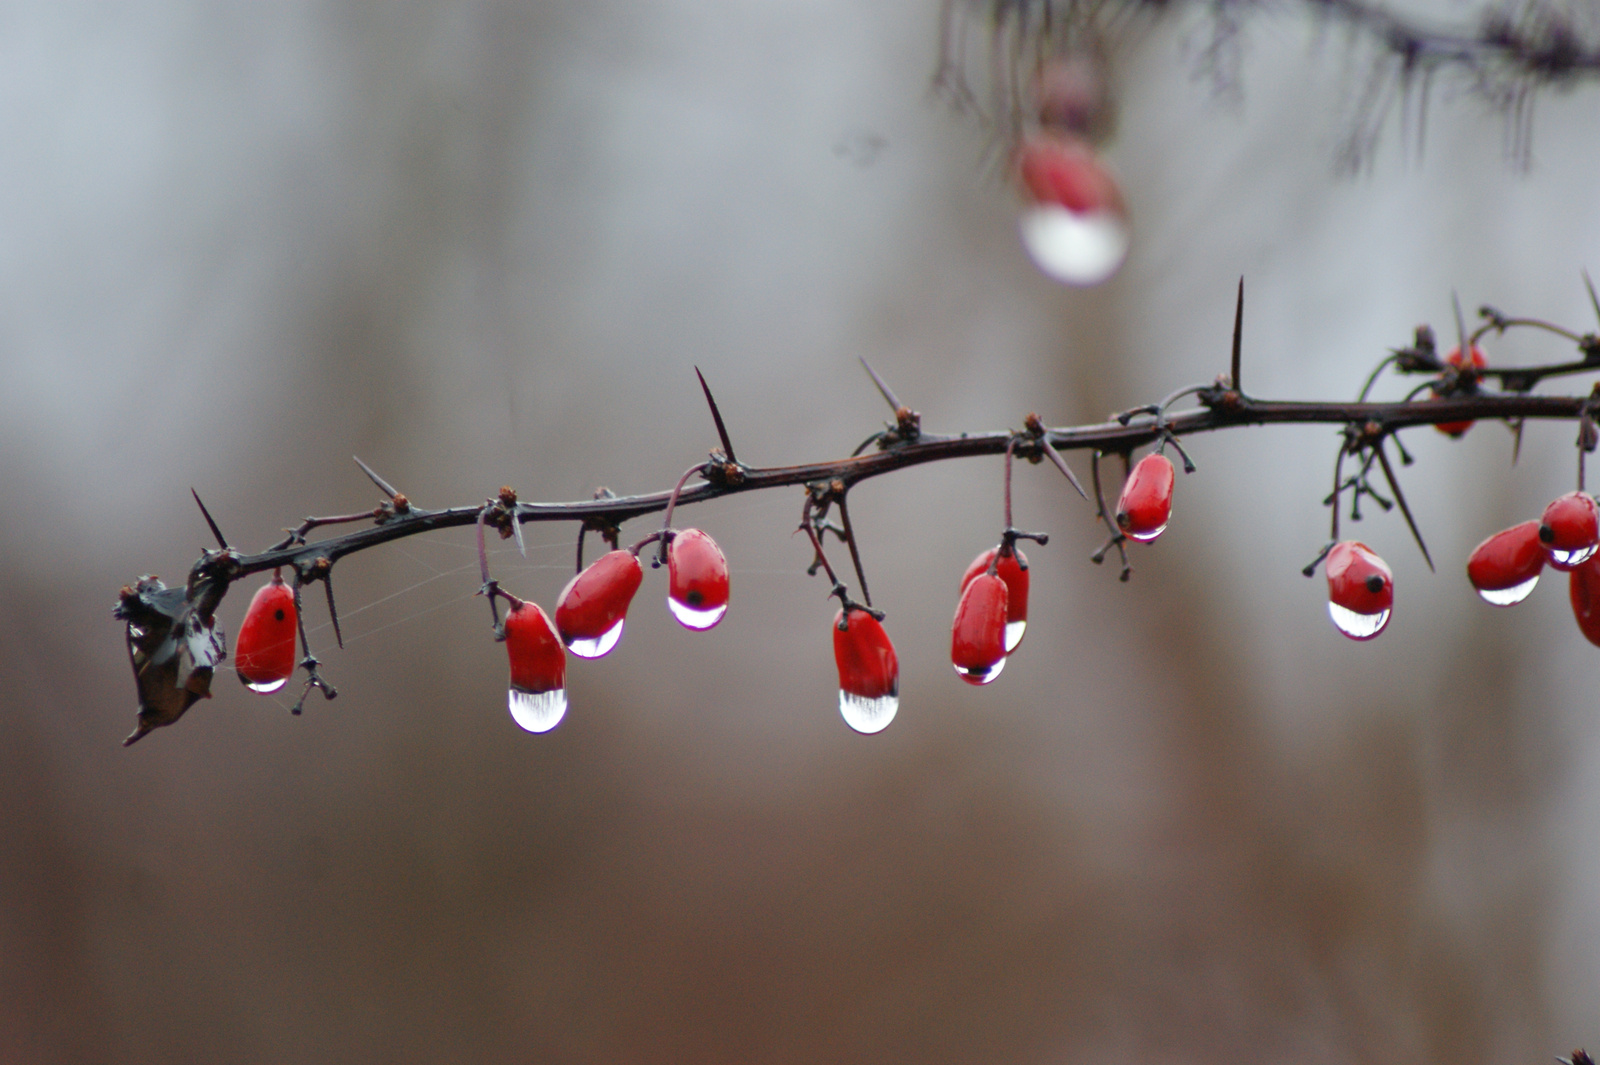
697,581
867,664
264,653
1456,429
538,696
538,661
978,634
1584,588
592,606
1506,563
1067,172
1013,570
1570,529
1360,590
1145,506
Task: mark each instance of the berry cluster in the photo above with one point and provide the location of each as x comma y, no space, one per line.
1506,567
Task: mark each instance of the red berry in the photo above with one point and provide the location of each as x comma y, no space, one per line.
1360,590
1454,359
1066,171
590,612
538,668
697,585
1584,587
1505,567
978,634
1570,529
869,672
264,655
1077,227
1145,507
1013,569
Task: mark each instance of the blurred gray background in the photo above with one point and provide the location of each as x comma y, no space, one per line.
484,243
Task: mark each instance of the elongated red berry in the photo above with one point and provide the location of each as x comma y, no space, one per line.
978,634
869,672
1145,507
1584,588
594,604
1570,529
1075,227
1360,590
1013,569
538,697
1454,359
1506,566
264,654
697,585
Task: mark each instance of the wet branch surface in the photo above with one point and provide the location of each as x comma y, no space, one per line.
1220,409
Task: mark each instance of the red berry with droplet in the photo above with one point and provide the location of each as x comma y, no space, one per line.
1454,359
869,672
697,585
1145,506
1584,588
594,604
978,634
264,654
538,697
1013,569
1506,566
1075,227
1360,590
1570,529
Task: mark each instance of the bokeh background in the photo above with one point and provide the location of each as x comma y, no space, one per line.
483,243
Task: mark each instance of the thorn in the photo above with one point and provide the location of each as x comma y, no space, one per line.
379,481
1400,498
222,541
1238,336
883,389
1594,301
516,532
333,611
1061,464
1461,330
716,416
1516,446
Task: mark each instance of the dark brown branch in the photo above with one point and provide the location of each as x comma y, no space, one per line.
1221,409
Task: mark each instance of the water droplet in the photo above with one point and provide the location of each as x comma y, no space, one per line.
599,646
1507,596
1014,631
538,711
981,676
1358,626
1078,248
865,715
696,619
1146,537
1572,559
266,687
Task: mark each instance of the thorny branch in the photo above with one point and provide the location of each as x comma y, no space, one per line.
174,644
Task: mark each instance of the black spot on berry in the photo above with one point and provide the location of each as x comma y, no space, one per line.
278,614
